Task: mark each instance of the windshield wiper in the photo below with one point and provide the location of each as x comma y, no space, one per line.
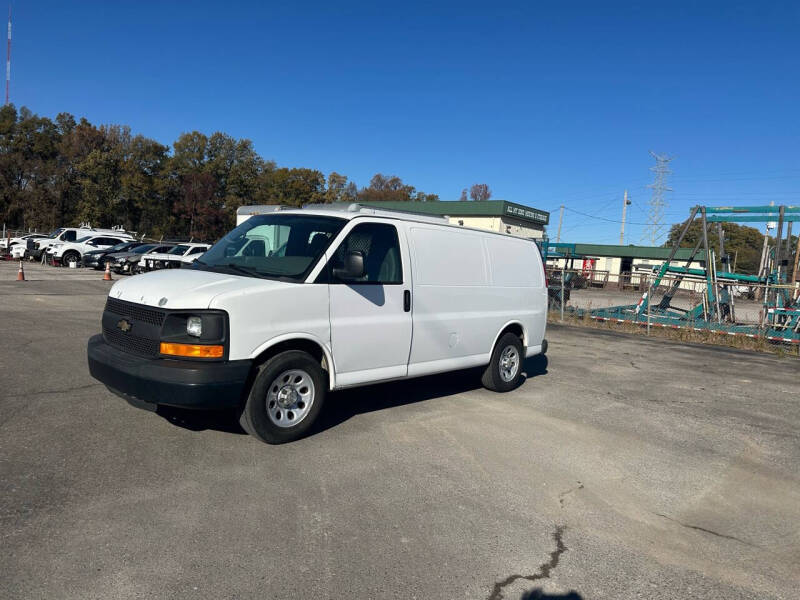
244,270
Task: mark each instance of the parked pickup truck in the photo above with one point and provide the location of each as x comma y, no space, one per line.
8,243
326,299
180,255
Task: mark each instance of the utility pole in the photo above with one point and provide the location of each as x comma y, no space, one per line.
625,203
560,220
8,55
657,203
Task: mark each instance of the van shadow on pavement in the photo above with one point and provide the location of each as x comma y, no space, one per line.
538,594
341,406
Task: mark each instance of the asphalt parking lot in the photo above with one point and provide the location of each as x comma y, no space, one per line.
624,467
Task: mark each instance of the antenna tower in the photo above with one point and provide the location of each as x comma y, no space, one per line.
655,217
8,55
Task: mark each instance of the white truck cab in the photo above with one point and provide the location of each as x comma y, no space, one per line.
296,303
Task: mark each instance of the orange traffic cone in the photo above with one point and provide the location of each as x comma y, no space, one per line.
20,273
107,274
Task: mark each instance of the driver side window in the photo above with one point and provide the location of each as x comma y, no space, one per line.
379,244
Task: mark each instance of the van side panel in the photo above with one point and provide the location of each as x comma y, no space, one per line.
516,272
457,311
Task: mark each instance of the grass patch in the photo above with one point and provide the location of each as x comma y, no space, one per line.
689,335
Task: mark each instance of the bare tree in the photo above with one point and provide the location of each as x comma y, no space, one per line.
463,197
480,192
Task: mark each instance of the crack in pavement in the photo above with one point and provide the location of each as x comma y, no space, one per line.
76,388
704,530
544,569
563,495
9,415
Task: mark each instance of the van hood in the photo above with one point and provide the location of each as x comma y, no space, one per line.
185,288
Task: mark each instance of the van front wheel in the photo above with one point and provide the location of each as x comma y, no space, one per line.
504,372
285,398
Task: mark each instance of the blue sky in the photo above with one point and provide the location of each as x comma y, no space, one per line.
549,103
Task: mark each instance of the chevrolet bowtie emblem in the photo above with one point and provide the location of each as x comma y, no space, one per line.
124,325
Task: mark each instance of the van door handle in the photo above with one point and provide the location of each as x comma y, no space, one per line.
407,300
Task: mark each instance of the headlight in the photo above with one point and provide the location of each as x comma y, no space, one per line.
194,326
207,329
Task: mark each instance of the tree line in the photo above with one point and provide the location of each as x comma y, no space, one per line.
67,171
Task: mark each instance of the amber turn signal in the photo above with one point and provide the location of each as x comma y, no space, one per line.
192,350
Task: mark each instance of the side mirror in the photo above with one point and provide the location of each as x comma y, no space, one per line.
353,266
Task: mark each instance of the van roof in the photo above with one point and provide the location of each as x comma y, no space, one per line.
354,210
342,210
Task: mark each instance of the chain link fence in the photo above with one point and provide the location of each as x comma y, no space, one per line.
737,309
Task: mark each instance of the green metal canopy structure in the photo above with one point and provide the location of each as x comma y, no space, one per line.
715,312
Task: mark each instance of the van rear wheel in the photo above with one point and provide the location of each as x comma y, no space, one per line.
504,372
285,398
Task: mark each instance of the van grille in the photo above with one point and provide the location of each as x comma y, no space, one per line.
144,335
137,312
131,343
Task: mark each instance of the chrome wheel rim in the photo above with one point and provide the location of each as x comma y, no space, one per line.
509,363
290,397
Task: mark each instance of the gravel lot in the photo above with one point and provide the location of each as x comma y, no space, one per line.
624,467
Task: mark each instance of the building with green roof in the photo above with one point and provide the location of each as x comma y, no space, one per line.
495,215
615,264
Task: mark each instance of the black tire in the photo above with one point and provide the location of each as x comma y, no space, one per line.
263,408
70,256
495,377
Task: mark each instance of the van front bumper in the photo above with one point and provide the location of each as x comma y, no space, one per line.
149,382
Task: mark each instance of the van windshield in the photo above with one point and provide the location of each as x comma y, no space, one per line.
273,246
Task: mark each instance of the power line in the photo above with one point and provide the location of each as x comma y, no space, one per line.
602,218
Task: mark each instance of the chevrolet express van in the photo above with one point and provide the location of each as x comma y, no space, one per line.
296,303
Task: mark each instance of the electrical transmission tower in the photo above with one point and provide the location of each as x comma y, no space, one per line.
655,217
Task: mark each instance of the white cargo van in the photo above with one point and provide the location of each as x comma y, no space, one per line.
292,304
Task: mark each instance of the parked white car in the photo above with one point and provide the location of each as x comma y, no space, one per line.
67,252
18,251
69,234
180,255
329,301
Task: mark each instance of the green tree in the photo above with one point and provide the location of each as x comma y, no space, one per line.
339,189
292,187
